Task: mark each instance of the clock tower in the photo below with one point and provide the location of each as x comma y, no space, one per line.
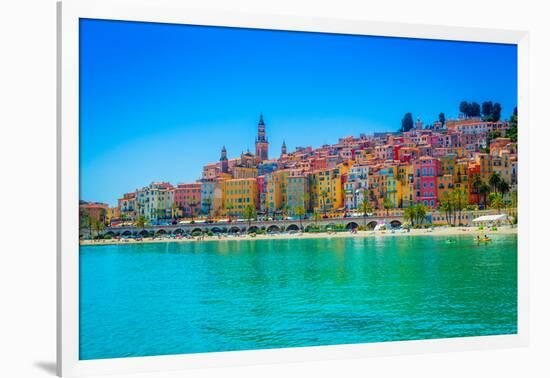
261,141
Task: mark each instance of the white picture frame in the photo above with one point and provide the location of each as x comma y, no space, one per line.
165,11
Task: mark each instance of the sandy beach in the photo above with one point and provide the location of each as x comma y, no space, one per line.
436,231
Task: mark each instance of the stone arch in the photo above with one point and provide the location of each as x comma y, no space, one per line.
310,226
196,229
160,232
292,227
143,233
234,230
127,233
216,230
351,226
395,223
371,225
178,231
253,229
110,233
274,228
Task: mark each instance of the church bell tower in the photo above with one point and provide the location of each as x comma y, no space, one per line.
261,141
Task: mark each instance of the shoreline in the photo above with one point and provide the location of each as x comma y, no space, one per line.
437,231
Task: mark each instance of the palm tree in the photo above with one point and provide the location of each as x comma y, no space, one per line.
460,200
324,198
300,212
249,214
476,184
503,187
409,213
228,209
484,191
316,217
173,209
160,213
387,204
420,213
494,179
207,204
366,208
496,201
446,206
97,226
141,222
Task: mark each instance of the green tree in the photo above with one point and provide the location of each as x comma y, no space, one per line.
207,206
228,209
476,184
496,113
324,200
365,207
464,108
494,180
250,214
442,119
97,226
387,204
173,210
300,212
446,206
512,131
420,213
497,202
160,213
484,191
407,122
460,201
503,187
487,110
475,110
141,222
316,216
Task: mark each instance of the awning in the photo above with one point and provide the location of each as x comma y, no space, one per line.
491,218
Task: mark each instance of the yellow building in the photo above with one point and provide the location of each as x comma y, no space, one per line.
237,194
405,174
448,163
244,172
394,188
444,185
484,162
327,193
460,177
276,191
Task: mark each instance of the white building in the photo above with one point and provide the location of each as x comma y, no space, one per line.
356,185
155,201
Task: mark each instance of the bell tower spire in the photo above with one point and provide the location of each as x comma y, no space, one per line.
262,144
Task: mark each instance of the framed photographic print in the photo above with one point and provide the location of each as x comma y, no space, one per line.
248,188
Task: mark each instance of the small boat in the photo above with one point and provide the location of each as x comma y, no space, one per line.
483,240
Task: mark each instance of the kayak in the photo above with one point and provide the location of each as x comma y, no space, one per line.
484,240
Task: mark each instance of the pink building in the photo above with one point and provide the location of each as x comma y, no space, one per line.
261,193
426,170
187,198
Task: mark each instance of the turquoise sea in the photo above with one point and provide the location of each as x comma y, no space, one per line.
174,298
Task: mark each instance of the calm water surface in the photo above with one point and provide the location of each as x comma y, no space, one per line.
173,298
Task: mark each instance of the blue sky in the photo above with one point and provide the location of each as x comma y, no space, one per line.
158,101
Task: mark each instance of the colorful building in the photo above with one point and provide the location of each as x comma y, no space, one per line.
238,194
426,171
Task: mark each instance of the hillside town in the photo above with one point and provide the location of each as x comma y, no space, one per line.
448,166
